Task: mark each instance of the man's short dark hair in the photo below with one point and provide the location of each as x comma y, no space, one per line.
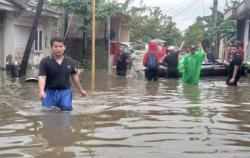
57,39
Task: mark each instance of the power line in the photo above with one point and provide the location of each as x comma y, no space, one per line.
195,11
188,15
184,10
193,14
178,6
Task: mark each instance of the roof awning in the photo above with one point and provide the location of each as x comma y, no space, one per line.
238,12
5,5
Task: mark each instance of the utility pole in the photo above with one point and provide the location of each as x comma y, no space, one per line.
93,43
227,4
215,42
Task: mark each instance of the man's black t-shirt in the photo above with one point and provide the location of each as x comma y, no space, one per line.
57,76
236,61
172,60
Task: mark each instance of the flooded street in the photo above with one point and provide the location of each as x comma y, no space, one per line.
128,118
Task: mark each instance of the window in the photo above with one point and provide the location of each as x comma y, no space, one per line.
39,40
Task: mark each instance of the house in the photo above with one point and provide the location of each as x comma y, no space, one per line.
115,26
241,13
118,27
16,18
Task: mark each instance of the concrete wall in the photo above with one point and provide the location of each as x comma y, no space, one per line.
74,43
74,49
115,26
8,36
125,34
240,29
1,48
74,30
122,33
73,26
2,16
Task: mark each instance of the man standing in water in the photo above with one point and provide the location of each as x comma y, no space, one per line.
234,68
54,77
150,61
190,66
171,60
122,62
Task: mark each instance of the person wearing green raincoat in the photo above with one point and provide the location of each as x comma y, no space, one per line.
190,66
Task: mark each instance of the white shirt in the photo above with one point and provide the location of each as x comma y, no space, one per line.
137,60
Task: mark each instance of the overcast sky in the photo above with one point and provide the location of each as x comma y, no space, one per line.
183,12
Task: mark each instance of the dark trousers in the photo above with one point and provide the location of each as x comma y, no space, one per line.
152,74
121,72
232,84
173,73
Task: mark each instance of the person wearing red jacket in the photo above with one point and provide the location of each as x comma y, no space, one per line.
150,61
162,51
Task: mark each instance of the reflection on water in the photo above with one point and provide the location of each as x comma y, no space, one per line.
56,132
125,117
192,93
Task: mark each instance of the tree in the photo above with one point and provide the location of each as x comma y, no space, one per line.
203,30
31,39
147,23
195,33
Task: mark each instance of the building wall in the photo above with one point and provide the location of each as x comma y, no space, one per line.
115,28
73,26
17,29
74,43
122,33
8,37
2,17
125,34
74,30
240,29
1,48
100,30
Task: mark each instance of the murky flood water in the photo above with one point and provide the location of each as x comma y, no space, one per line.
131,118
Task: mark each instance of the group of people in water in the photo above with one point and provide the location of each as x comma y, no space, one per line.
185,61
56,70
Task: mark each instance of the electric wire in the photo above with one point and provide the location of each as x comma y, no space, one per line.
183,11
191,14
178,7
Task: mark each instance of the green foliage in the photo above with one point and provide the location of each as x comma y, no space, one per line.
203,29
104,8
195,33
147,23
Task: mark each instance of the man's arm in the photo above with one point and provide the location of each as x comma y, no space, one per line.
226,63
77,84
145,59
41,86
236,68
182,45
